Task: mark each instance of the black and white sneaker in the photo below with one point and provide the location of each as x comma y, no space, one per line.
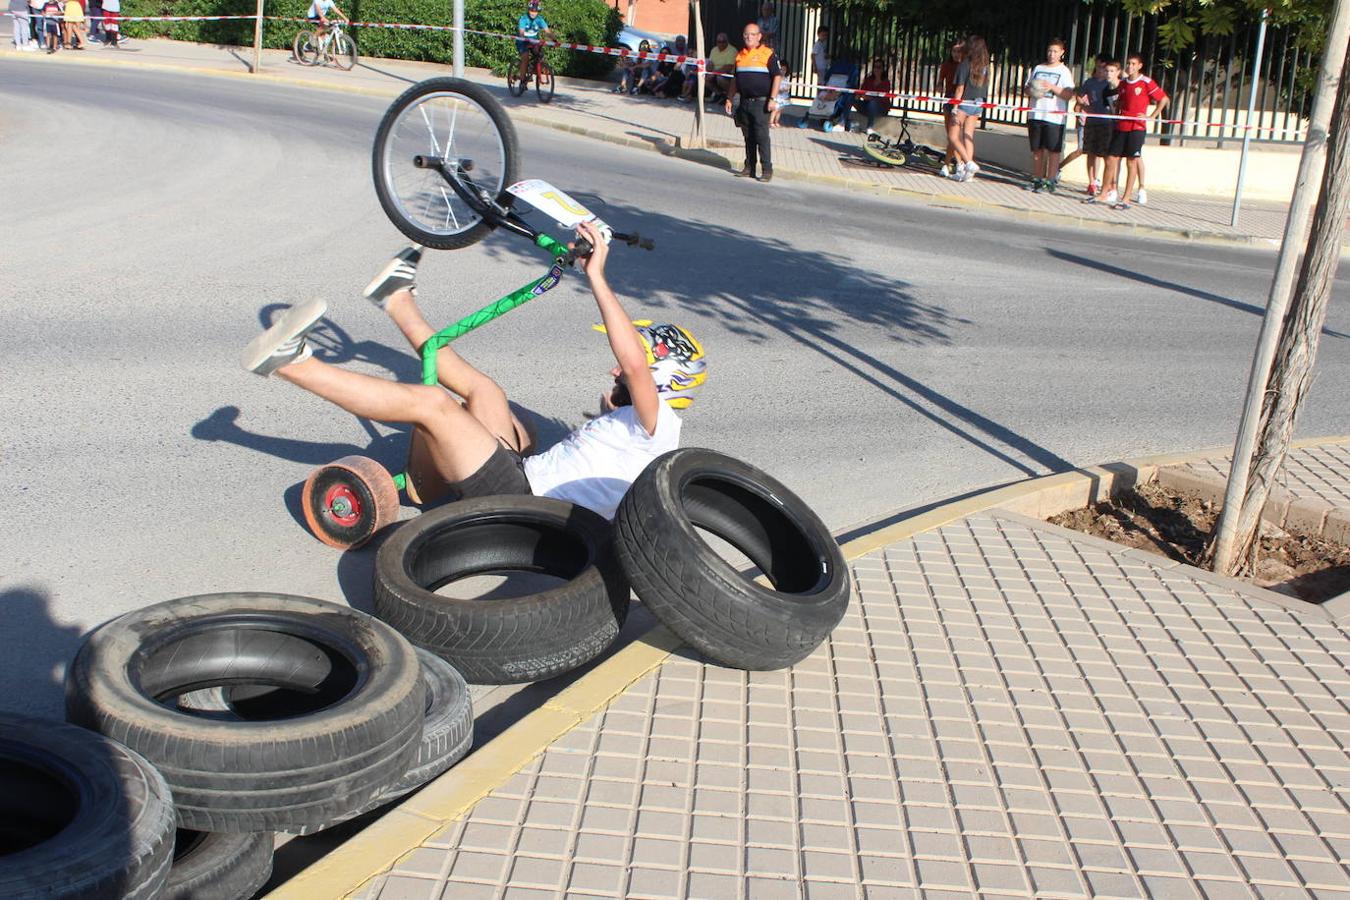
399,273
284,342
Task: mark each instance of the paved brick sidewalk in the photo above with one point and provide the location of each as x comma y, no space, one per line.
1313,495
1008,708
590,108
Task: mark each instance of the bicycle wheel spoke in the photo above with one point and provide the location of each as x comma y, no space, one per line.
431,130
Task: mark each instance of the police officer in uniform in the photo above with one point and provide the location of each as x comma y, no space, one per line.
756,82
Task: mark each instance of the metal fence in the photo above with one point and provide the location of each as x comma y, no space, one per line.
1208,83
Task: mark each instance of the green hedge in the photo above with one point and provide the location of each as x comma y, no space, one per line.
580,21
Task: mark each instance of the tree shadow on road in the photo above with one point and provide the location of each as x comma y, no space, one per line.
1151,281
760,288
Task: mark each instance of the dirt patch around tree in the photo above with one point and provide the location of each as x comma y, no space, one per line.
1177,525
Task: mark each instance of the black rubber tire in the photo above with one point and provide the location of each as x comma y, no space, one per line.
696,593
447,730
217,866
356,738
544,82
515,86
80,815
510,165
511,640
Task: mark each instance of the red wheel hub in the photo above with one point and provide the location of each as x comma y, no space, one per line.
341,504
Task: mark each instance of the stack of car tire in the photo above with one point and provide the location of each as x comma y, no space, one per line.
210,722
654,545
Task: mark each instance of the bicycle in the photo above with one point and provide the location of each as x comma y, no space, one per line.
445,164
536,68
899,150
334,45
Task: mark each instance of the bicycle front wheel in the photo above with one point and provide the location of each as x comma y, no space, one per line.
886,152
344,51
461,126
514,83
306,48
543,81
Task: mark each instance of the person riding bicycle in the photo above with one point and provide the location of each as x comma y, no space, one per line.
530,25
318,14
466,440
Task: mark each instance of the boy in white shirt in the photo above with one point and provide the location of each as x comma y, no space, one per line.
466,441
1051,84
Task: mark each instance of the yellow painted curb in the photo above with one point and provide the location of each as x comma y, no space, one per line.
379,847
402,830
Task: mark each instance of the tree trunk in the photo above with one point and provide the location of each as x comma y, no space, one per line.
1291,370
698,137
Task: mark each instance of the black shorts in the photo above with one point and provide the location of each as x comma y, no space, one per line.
1128,144
1097,137
1045,136
503,473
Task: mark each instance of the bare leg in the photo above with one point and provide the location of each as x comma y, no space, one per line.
1110,174
1131,179
968,134
456,444
483,397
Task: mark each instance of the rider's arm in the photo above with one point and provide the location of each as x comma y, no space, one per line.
341,15
627,347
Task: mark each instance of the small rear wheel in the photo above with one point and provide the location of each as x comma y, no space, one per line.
442,129
305,48
346,502
344,51
543,81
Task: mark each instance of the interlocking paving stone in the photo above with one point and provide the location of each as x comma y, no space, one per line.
1320,473
1089,725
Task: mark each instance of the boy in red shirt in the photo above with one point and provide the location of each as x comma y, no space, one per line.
1137,93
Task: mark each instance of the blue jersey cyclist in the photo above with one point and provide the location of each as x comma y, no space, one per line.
318,14
530,25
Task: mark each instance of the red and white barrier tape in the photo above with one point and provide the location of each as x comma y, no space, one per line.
700,64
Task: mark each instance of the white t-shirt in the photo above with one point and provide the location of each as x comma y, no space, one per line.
594,465
320,8
1051,109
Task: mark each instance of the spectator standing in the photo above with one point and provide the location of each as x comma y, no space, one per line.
1096,97
94,11
112,27
22,20
947,86
1137,93
768,25
970,93
51,23
36,22
784,95
74,25
722,65
756,84
1050,86
820,53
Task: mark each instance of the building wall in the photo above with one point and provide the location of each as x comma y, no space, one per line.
660,16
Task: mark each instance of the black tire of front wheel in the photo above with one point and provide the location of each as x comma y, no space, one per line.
510,164
344,52
218,865
515,85
108,813
544,82
696,593
507,640
301,771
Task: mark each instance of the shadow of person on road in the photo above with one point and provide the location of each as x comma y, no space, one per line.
766,287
